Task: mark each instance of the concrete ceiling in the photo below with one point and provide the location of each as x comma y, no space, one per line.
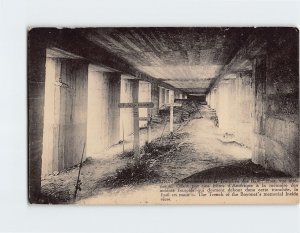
186,58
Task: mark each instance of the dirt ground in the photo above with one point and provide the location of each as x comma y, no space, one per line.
194,147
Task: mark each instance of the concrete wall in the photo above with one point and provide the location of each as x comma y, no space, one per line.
36,93
277,108
263,104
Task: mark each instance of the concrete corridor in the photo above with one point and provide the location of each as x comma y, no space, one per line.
230,96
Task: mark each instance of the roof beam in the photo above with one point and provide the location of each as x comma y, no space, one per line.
254,45
71,41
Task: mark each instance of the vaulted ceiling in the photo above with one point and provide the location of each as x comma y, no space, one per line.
189,59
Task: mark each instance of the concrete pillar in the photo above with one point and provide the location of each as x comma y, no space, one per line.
65,124
144,96
276,121
36,91
167,97
224,103
51,119
126,120
233,108
113,108
163,96
177,94
98,116
66,120
171,96
233,101
211,104
160,100
73,112
244,108
104,114
155,98
136,127
216,96
259,73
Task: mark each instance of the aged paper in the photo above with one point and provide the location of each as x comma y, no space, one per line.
163,115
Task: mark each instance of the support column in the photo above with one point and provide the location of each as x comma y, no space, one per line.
73,112
144,96
113,108
155,98
163,99
260,78
160,100
136,128
171,100
176,94
244,101
171,119
148,125
98,116
36,95
167,98
171,96
126,120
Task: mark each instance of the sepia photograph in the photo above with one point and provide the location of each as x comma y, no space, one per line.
150,116
163,115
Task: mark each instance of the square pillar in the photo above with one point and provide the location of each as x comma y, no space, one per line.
160,99
104,114
260,78
167,98
155,98
126,120
113,108
171,96
98,118
144,96
136,127
36,94
163,96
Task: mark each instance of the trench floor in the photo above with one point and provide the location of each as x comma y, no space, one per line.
194,147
